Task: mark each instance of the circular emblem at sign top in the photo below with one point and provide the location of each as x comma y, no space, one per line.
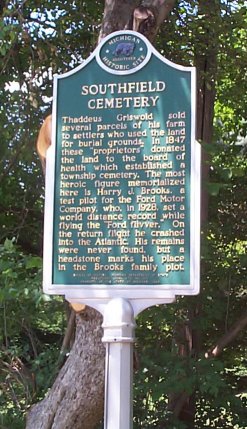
123,52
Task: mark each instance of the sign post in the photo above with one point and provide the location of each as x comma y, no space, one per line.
119,325
122,211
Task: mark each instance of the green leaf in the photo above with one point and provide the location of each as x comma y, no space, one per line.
9,245
34,262
215,188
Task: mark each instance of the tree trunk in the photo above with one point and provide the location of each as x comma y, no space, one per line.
183,405
145,16
206,64
77,396
75,401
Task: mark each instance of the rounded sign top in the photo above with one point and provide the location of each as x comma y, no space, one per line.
123,52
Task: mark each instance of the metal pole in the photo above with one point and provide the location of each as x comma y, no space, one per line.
119,326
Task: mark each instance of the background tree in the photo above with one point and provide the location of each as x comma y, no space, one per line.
191,354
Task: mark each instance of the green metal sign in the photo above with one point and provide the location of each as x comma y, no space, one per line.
123,176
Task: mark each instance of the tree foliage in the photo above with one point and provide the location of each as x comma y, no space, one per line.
191,370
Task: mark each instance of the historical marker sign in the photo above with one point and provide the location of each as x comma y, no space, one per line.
123,176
